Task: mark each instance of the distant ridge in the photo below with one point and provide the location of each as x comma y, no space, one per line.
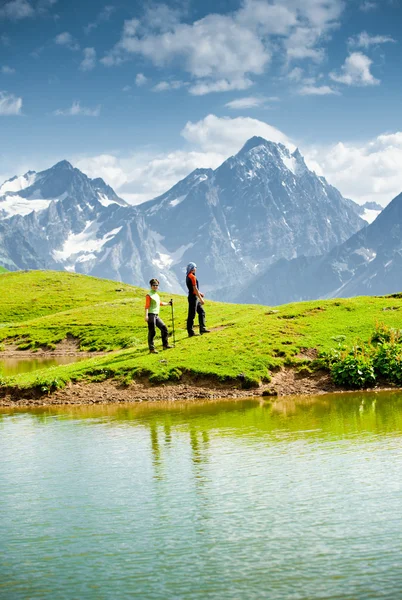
260,206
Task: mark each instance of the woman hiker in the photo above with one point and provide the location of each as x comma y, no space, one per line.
195,301
152,304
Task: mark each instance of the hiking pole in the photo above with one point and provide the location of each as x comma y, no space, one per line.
174,339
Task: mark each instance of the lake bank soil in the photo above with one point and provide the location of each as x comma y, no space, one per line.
286,382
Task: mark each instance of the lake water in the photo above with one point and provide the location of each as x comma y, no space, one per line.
16,365
301,499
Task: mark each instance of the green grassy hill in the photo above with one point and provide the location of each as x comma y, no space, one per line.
40,309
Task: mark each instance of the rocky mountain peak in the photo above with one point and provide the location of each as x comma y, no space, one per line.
259,206
259,154
62,165
255,142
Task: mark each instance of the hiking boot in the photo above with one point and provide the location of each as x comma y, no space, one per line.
204,331
192,333
167,347
153,351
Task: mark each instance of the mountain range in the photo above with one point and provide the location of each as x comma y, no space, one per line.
368,263
246,224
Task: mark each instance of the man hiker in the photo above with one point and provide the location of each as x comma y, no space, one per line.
195,301
152,304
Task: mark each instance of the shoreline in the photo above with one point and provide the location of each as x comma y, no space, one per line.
285,383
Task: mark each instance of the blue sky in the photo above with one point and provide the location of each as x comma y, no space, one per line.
142,93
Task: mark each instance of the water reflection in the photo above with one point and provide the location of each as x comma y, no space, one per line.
15,366
156,450
298,498
331,414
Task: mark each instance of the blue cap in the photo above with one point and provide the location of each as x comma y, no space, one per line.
190,267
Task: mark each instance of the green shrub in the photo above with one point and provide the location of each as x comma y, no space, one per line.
388,362
355,370
50,385
383,334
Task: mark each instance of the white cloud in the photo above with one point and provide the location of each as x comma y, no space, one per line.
204,87
225,135
89,60
103,16
367,6
16,10
67,40
224,52
164,86
6,70
364,40
301,44
367,171
296,74
140,80
161,17
355,71
77,110
144,175
316,20
313,90
370,171
215,47
105,166
272,19
10,104
247,102
43,6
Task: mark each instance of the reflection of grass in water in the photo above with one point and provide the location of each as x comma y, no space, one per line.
246,344
16,366
336,416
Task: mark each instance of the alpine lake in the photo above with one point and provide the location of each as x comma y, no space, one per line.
298,498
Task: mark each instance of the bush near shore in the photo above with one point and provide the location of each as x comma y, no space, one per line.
247,343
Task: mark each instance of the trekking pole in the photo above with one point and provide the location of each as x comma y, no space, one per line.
174,339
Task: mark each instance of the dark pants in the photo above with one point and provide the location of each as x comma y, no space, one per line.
153,322
194,307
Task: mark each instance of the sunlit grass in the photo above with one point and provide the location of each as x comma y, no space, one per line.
247,342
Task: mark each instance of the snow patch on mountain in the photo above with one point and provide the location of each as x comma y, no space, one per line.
165,260
104,200
370,215
176,201
16,205
84,243
16,184
289,162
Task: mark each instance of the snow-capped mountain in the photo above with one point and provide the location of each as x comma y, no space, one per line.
369,263
35,191
61,215
258,207
369,211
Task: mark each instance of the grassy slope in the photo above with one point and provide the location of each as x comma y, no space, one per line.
42,308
